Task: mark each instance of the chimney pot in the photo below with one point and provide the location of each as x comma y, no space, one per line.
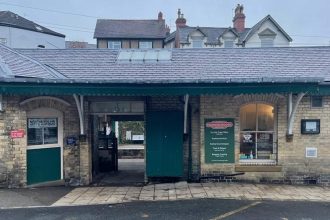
160,16
180,21
239,19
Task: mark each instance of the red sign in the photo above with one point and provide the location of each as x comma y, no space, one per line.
219,124
17,133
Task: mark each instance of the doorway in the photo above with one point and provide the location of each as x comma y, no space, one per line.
118,149
44,146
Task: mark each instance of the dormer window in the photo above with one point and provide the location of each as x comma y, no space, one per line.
267,42
197,41
267,37
229,43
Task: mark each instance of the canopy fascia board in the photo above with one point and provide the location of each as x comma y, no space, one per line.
155,89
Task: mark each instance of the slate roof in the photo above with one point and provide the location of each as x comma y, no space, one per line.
11,19
213,33
111,28
278,64
14,64
258,25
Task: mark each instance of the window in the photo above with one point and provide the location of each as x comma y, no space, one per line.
114,44
145,44
3,41
316,101
42,131
197,43
257,133
267,42
229,44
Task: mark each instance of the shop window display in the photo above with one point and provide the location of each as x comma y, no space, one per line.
257,133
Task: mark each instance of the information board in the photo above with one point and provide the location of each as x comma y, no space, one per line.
219,140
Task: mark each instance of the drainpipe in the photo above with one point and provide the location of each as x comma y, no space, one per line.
189,146
80,106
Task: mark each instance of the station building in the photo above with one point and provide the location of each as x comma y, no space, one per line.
238,114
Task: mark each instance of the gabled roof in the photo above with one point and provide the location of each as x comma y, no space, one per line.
212,33
11,19
148,29
15,64
256,27
259,65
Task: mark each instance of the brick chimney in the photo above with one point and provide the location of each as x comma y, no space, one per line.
239,19
160,16
180,21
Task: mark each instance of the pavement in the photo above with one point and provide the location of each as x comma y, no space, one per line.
66,196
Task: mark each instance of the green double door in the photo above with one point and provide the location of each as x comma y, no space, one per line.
164,139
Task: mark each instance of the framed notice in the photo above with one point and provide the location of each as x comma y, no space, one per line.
310,126
219,140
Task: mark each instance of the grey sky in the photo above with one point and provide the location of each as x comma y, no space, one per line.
307,22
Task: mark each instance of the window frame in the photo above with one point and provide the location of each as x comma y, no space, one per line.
316,96
112,43
266,42
43,132
270,161
146,42
225,43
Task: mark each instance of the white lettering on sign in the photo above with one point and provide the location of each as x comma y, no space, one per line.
42,123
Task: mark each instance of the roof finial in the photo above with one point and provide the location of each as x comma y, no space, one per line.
179,13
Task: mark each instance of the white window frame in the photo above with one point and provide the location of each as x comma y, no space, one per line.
197,43
228,44
114,44
3,41
145,44
266,41
275,148
43,130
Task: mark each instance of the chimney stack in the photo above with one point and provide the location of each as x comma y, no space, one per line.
239,19
160,16
180,21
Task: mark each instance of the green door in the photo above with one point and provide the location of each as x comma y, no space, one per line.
43,165
164,148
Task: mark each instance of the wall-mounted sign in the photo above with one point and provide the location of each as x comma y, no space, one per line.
71,141
42,123
17,133
219,140
310,126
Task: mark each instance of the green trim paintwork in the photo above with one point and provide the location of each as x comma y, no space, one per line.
164,147
43,165
29,88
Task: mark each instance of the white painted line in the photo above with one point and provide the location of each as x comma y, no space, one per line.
235,211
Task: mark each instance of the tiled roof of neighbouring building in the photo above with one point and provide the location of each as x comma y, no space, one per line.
149,29
11,19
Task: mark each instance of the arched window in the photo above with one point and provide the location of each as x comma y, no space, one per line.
257,133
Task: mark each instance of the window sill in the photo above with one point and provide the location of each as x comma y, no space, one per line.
258,168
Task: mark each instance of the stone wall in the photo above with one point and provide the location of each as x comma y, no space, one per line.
293,166
13,151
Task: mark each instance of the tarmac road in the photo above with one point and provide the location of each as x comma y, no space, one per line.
186,209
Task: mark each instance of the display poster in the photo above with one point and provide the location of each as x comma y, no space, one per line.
219,140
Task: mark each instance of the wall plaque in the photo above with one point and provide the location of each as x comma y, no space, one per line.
17,133
219,140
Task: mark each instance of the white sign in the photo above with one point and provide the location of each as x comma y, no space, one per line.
138,137
311,126
42,123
